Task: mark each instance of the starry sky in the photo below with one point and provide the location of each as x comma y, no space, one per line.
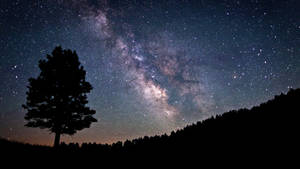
155,65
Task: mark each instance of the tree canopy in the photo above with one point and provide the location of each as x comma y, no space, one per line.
57,98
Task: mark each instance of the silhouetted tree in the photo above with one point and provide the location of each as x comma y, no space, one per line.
57,98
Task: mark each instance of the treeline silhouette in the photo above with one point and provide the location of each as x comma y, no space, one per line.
266,129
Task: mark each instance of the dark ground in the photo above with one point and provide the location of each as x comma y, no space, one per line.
268,131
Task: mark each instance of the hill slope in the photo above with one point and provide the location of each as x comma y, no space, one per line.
267,128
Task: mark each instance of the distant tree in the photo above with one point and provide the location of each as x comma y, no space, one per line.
57,98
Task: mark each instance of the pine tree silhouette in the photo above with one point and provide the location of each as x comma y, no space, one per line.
57,98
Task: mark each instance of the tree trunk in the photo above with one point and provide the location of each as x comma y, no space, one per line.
57,138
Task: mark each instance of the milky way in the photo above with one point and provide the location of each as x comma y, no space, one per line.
155,66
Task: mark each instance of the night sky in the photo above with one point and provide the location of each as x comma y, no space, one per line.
156,66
